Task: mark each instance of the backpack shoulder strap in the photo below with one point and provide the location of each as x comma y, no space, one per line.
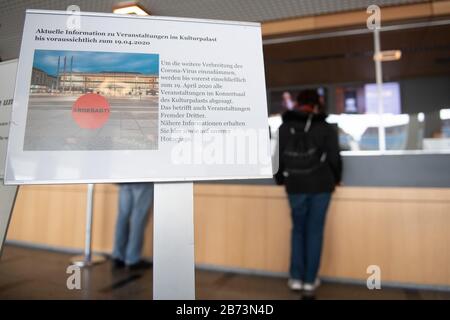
308,123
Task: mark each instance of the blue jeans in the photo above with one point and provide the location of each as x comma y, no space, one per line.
308,219
134,202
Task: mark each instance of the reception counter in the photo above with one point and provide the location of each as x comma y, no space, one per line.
405,231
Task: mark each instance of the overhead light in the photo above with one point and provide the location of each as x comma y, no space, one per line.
131,8
388,55
421,116
444,114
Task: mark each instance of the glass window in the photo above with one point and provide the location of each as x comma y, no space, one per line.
415,115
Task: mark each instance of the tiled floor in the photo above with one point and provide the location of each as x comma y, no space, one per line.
38,274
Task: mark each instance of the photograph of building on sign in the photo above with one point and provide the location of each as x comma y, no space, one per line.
83,100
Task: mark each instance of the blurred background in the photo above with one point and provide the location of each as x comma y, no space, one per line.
393,209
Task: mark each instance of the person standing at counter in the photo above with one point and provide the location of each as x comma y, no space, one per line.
310,167
134,202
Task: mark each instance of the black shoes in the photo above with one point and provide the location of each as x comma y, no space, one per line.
141,265
117,264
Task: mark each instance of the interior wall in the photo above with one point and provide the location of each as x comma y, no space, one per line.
405,231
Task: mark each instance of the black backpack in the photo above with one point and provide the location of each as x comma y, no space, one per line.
302,156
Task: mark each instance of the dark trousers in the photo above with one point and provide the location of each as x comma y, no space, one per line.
135,200
308,219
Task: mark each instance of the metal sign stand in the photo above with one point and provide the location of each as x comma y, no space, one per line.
173,241
379,79
8,196
88,259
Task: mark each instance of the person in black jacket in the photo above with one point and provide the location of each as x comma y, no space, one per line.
310,167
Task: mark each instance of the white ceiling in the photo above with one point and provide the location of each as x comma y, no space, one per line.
12,11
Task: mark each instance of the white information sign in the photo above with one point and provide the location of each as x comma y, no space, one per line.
114,98
7,193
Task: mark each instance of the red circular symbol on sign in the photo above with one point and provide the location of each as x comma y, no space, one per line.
90,111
